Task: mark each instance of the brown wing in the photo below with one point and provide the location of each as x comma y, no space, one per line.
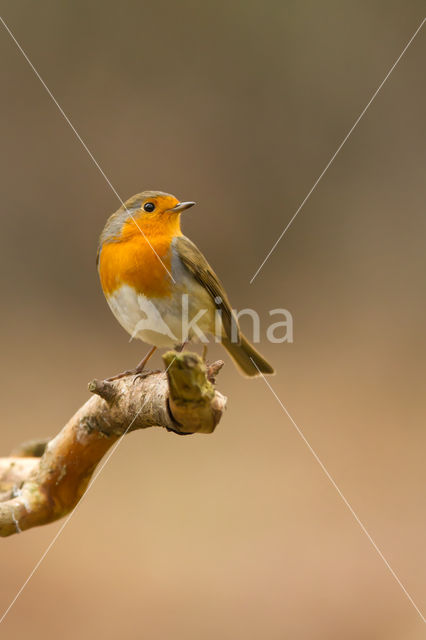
196,263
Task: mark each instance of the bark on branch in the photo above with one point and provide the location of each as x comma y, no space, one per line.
43,481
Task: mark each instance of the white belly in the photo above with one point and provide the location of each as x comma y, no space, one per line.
166,322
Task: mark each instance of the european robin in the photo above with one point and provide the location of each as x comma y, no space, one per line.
159,285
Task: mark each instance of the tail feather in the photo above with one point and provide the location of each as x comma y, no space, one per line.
246,357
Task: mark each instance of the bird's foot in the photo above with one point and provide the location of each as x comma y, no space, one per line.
144,374
123,374
139,371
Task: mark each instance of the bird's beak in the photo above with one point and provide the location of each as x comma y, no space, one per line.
182,206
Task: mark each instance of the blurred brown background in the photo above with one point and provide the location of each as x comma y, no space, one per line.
239,106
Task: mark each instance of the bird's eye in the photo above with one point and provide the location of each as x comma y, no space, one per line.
149,206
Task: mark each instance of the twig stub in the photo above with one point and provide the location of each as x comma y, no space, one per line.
103,388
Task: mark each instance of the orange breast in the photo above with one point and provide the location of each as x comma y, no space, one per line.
132,261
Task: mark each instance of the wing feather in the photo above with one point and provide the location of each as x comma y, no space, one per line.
197,265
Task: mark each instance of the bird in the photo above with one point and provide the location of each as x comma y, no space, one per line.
161,288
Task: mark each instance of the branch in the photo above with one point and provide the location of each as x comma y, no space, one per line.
38,490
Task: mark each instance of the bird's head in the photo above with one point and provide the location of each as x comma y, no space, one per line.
149,212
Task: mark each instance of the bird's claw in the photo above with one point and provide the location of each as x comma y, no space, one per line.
144,374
